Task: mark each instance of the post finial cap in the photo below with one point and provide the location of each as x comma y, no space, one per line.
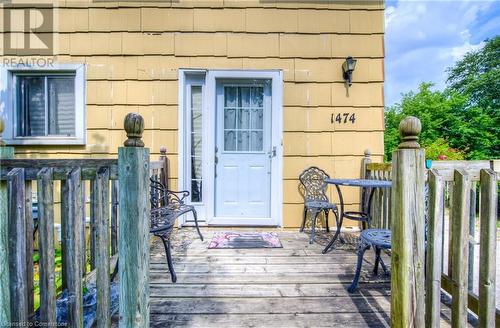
163,150
409,131
134,126
368,152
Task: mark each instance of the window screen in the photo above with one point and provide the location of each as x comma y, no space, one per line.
45,105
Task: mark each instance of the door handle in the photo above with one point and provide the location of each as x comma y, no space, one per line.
272,153
216,160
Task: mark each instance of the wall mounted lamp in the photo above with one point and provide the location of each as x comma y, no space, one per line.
348,67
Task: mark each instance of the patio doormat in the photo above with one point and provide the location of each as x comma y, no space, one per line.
230,239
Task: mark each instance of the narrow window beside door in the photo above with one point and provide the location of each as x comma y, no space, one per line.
196,144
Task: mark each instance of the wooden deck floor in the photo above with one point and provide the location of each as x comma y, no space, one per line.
293,286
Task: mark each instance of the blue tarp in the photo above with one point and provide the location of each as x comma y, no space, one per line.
89,305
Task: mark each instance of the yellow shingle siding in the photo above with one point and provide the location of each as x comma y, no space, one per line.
133,51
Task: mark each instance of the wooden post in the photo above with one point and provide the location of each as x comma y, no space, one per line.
5,153
133,243
487,266
408,228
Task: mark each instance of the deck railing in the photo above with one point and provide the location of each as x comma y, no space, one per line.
159,170
380,209
415,247
72,174
119,193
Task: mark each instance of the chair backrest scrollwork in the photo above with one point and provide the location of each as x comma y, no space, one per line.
313,186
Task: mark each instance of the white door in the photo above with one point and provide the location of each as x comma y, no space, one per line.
243,151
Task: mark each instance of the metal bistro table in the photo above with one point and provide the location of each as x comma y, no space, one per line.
364,215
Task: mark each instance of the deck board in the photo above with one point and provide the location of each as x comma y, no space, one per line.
293,286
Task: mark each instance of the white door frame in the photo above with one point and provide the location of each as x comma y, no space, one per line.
209,107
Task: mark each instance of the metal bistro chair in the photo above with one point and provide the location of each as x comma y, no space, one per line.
380,239
313,188
166,206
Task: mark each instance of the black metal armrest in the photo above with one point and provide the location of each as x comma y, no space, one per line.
177,196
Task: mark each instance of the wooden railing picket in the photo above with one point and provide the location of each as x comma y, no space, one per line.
380,209
5,153
17,247
83,231
101,246
365,174
387,202
451,195
45,197
460,248
114,216
72,244
133,173
487,266
408,232
164,171
434,251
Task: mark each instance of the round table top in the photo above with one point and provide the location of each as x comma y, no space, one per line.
364,183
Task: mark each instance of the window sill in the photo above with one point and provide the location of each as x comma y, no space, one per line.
45,141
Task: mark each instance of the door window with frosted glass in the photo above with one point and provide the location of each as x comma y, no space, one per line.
196,144
45,105
243,118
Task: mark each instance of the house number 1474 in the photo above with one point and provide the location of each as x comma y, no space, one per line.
343,118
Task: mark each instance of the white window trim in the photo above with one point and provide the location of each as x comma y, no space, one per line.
276,77
7,106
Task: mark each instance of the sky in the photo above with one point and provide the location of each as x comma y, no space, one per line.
424,37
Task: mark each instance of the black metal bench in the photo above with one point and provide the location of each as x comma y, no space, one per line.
166,207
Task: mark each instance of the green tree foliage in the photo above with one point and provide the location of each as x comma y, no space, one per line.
435,109
464,119
478,76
